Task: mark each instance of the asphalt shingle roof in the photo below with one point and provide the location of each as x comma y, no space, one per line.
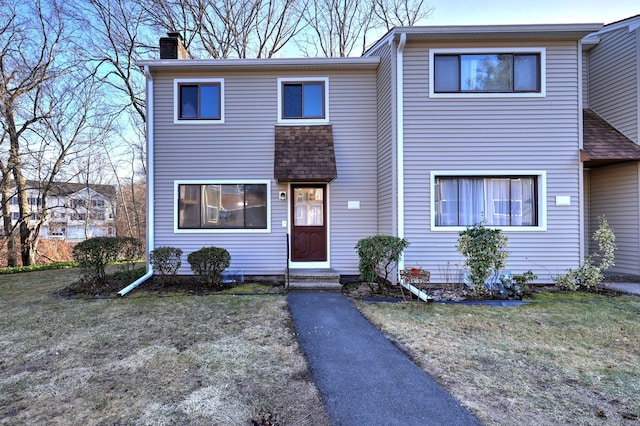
603,144
304,154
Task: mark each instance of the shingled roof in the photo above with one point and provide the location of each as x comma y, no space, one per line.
603,144
304,154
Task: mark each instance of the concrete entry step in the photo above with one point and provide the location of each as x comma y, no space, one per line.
314,279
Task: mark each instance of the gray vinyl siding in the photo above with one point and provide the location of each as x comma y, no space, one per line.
387,176
585,79
243,148
614,192
613,84
518,134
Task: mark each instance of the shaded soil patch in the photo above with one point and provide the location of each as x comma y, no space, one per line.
183,284
456,294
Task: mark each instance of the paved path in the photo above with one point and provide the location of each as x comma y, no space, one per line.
631,288
363,378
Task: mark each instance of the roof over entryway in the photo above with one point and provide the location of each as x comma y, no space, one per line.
603,144
304,154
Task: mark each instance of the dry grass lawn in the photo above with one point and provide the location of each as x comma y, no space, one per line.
547,363
147,360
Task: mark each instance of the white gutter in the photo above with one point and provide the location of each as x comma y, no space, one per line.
581,196
400,137
150,185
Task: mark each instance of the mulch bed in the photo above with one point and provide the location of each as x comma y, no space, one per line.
182,284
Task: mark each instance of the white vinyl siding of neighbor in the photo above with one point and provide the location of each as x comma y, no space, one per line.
495,133
242,149
614,91
620,204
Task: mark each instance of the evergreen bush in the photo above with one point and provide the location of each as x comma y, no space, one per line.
209,263
589,276
485,252
379,255
166,261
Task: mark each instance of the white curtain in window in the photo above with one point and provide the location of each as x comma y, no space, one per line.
447,202
497,202
471,203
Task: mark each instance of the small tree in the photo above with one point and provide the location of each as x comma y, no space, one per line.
485,250
379,255
208,263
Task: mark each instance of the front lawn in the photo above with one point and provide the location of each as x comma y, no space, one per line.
547,363
148,359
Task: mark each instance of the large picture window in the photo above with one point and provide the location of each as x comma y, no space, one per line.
494,200
498,72
222,206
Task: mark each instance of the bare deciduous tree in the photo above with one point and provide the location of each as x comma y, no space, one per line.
401,13
30,38
230,28
343,27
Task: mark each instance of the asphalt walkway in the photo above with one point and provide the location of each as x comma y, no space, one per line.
363,378
626,287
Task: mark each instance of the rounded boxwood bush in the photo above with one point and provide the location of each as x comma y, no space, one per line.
209,263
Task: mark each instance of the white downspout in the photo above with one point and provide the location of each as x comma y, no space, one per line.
400,137
150,185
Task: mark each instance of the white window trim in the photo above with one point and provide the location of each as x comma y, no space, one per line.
304,121
176,100
489,50
178,230
542,197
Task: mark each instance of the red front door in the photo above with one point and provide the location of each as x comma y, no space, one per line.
309,223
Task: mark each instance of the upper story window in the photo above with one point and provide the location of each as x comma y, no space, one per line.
199,100
487,72
303,100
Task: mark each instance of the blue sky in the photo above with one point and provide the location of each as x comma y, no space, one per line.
481,12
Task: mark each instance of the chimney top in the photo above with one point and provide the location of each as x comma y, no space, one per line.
171,47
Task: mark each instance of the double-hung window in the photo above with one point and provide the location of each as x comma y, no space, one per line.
498,200
199,100
222,206
490,72
303,100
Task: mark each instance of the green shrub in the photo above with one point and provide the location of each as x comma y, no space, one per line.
379,255
485,255
517,285
43,267
208,263
589,276
94,254
166,261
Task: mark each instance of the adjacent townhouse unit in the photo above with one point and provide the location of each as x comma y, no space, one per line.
611,136
287,163
74,212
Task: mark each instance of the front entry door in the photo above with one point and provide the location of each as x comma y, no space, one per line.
309,224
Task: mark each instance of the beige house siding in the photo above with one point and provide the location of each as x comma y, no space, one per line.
613,83
620,203
495,133
243,148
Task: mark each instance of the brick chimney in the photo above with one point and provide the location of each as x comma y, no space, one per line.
171,47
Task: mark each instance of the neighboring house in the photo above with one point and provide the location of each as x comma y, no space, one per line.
74,211
289,162
611,136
